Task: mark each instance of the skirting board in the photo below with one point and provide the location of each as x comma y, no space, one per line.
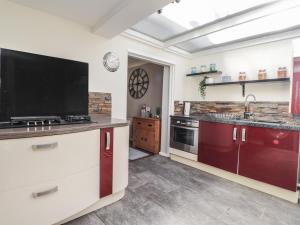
99,204
164,154
260,186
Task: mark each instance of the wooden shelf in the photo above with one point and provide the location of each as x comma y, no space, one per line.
204,73
242,83
250,81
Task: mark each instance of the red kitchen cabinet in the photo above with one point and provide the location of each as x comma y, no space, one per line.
270,156
218,145
296,87
106,161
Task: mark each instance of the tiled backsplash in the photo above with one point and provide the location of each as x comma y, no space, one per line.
272,110
99,103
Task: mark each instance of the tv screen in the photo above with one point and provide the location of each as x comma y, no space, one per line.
36,85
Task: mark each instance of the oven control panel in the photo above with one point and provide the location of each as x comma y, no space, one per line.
185,122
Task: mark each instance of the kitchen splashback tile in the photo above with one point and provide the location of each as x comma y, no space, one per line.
100,103
273,110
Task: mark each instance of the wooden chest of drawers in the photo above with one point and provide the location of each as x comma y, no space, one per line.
146,134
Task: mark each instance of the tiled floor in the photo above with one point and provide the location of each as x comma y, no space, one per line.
163,192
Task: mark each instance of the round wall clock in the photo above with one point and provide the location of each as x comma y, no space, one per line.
111,61
138,83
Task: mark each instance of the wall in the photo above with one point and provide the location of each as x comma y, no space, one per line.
268,56
26,29
29,30
153,96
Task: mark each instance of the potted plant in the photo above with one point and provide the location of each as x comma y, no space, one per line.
202,87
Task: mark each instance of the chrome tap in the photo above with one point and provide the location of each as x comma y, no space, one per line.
247,113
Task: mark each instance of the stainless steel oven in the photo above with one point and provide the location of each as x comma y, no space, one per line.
184,134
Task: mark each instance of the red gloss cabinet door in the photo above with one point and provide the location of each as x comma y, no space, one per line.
218,145
106,161
296,87
270,156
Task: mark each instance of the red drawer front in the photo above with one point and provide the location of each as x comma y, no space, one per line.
106,162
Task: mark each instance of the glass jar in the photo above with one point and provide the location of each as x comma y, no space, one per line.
193,70
212,67
262,74
203,68
282,72
242,76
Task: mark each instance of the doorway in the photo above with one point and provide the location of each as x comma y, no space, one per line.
148,105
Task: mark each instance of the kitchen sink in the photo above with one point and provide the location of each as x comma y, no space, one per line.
269,121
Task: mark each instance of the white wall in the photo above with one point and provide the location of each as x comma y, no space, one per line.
29,30
153,96
25,29
266,56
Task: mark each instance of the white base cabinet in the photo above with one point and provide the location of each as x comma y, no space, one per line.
45,180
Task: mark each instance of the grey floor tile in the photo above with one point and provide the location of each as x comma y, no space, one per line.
164,192
90,219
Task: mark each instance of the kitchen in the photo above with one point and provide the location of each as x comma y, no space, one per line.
227,149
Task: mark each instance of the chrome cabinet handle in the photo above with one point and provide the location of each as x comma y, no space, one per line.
44,146
43,193
107,147
234,135
297,92
243,134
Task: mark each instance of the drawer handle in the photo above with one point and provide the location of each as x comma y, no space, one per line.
43,193
234,135
244,135
149,125
139,123
44,146
107,147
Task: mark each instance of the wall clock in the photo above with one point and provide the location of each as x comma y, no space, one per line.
111,62
138,83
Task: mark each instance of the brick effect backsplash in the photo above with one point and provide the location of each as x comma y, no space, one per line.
271,110
100,103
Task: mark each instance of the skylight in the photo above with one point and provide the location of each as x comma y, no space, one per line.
279,21
190,14
195,25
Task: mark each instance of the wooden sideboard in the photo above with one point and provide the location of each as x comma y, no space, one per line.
146,134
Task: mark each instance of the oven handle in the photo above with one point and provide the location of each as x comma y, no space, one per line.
188,128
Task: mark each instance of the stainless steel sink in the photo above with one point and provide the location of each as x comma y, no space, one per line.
270,121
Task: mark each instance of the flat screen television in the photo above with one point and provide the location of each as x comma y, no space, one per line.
37,85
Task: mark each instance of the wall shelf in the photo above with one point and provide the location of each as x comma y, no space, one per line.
204,73
243,83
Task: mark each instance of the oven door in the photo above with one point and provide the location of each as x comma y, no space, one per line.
184,138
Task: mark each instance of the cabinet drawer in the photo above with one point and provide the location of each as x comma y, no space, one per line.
73,194
144,124
30,161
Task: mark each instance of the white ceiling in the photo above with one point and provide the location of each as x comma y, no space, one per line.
105,17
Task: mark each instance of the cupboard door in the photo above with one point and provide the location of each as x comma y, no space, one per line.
106,161
218,145
270,156
296,87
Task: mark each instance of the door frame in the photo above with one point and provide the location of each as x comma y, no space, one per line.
165,125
